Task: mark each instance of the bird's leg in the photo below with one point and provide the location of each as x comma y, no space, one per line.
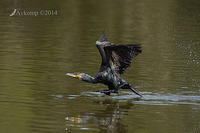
107,92
115,91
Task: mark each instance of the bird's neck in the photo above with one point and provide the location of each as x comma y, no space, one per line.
88,78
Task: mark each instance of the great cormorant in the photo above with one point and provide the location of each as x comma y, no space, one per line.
115,59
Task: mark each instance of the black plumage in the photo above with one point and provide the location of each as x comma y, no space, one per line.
116,59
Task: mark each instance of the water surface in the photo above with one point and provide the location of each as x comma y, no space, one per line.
37,51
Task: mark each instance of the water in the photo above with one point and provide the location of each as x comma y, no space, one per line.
37,51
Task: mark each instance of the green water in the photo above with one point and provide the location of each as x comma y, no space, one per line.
37,51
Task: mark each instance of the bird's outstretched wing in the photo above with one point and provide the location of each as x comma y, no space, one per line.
119,56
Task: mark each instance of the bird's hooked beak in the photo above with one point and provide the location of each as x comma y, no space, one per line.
73,75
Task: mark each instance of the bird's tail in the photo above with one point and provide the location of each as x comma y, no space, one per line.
127,86
133,90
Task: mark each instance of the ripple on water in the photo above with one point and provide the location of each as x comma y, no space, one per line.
148,98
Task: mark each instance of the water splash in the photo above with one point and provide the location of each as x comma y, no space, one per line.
149,98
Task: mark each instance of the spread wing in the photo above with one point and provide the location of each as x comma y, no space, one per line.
119,56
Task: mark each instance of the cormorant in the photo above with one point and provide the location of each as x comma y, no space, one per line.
115,59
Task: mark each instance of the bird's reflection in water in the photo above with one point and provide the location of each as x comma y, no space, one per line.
103,121
112,122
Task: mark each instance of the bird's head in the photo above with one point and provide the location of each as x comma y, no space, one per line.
81,76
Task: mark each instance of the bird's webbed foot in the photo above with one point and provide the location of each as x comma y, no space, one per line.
107,92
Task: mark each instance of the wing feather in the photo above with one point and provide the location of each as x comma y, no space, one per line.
119,56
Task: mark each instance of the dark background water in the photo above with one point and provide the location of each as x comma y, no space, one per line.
37,51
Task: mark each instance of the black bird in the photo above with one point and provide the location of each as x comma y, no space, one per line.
115,59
